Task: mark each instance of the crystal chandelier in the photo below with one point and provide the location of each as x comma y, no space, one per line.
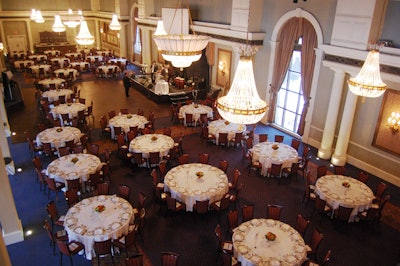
368,81
180,49
114,25
58,26
242,104
71,20
38,17
84,37
33,14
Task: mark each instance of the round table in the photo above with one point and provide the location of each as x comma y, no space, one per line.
57,136
73,55
53,95
92,58
222,126
81,64
35,68
51,52
263,152
126,121
71,109
251,246
152,143
107,68
115,60
64,168
85,224
184,184
38,57
66,72
57,81
60,60
357,195
196,110
25,63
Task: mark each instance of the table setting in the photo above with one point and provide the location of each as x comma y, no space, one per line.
195,109
223,126
57,136
125,121
57,81
71,109
152,143
54,95
35,69
268,242
196,181
66,72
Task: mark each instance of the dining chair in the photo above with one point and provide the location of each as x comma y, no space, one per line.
173,205
169,259
295,144
66,120
118,132
72,197
253,164
130,135
233,182
223,139
381,206
48,150
140,203
124,192
339,170
301,225
321,207
236,141
126,241
221,205
369,216
233,220
183,159
262,138
363,177
69,249
41,177
274,211
167,131
342,215
78,149
134,260
321,170
103,188
327,258
305,154
312,247
154,159
102,249
303,167
379,191
222,244
291,171
140,112
138,159
205,134
124,111
189,120
234,196
62,99
274,170
201,206
54,236
247,212
279,138
223,165
53,185
162,169
63,151
204,158
56,220
91,183
94,149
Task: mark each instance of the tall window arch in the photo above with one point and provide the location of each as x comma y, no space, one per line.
290,102
138,45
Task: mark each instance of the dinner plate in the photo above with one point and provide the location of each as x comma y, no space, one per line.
256,259
98,231
115,225
255,222
275,262
270,222
290,259
238,237
285,227
242,227
299,249
243,249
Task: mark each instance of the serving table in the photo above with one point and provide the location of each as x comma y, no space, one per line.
284,245
196,181
152,143
97,219
266,155
54,95
162,87
71,109
126,121
57,136
73,166
223,126
345,191
195,110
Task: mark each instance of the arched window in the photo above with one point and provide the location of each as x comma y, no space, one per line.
138,44
290,102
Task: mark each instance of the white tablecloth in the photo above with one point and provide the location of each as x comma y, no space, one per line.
358,195
46,82
71,109
51,52
38,57
252,248
86,225
60,60
115,60
57,136
161,87
24,62
222,126
66,71
263,152
35,68
196,111
53,95
106,68
63,168
81,64
74,55
184,184
92,58
152,143
126,121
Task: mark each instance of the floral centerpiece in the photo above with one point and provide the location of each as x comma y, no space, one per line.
129,116
100,208
69,104
154,138
270,236
196,105
59,129
199,174
275,147
346,184
74,160
227,122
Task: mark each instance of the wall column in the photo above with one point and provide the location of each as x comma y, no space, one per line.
325,150
342,143
123,40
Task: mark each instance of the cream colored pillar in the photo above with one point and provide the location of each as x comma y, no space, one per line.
4,257
342,143
30,40
325,151
123,40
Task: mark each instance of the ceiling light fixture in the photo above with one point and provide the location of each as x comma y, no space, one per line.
58,26
71,20
84,37
368,82
180,49
39,18
114,25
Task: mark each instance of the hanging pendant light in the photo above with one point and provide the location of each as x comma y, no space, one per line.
58,26
242,104
84,37
39,18
114,25
33,14
71,20
368,82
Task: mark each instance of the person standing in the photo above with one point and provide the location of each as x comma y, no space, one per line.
154,69
127,84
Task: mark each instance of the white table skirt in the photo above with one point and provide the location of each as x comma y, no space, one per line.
196,111
54,95
263,152
57,136
252,248
152,143
161,87
222,126
57,81
35,68
126,121
358,196
66,72
86,225
185,186
71,109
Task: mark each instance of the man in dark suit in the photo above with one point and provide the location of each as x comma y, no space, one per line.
127,83
154,69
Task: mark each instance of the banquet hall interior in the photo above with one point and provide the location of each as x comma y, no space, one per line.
334,138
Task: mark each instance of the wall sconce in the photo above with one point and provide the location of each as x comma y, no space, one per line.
394,122
222,67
